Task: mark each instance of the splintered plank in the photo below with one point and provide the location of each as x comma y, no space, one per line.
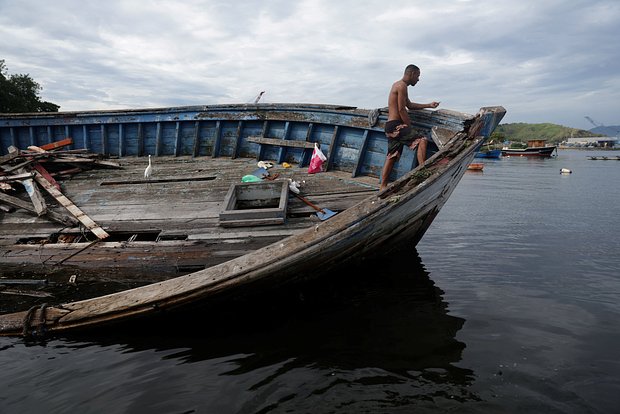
72,208
8,157
57,144
16,177
46,174
16,202
35,195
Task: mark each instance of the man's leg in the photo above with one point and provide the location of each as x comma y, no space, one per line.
422,151
387,169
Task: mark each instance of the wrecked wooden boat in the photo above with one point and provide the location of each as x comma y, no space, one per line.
193,230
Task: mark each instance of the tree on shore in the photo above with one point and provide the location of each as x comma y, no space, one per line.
20,93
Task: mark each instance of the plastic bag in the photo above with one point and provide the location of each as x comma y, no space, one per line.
317,160
250,179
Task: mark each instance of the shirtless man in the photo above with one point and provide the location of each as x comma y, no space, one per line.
398,127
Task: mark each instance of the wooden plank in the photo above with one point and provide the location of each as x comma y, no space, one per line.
38,202
160,180
85,136
17,177
8,157
68,134
121,140
32,136
177,137
46,174
72,208
196,146
158,138
16,202
285,136
360,157
237,140
218,139
332,149
305,157
281,143
19,166
140,140
13,137
104,140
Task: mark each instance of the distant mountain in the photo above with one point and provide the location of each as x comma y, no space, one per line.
610,131
553,133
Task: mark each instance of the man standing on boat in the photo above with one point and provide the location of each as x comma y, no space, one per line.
398,127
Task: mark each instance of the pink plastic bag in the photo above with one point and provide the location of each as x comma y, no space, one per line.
317,160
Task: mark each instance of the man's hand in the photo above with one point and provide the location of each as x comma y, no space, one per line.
433,104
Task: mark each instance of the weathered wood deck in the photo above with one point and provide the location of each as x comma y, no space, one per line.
176,215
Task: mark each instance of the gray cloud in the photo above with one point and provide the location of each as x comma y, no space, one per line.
544,61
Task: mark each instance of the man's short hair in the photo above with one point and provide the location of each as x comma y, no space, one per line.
412,68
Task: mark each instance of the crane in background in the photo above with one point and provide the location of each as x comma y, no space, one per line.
596,124
609,129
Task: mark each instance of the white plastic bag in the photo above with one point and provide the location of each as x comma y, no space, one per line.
317,160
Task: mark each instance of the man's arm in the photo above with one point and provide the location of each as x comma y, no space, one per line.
413,105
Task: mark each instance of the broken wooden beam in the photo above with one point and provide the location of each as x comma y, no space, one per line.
19,203
8,157
41,170
160,180
72,208
57,144
16,177
38,202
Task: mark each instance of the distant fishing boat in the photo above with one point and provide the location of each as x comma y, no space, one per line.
535,148
495,153
189,211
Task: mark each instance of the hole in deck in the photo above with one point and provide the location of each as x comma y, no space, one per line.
255,204
115,236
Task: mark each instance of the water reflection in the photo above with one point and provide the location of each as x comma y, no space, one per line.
374,334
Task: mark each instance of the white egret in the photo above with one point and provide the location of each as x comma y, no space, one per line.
148,170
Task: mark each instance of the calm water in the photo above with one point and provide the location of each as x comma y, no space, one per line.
510,304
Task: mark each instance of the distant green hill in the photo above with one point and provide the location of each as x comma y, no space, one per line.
553,133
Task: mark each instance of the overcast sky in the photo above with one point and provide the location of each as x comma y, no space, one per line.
543,60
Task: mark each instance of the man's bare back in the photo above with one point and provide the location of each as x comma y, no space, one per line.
397,95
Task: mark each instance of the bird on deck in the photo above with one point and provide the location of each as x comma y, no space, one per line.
148,171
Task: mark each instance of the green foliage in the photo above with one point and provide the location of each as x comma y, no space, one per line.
553,133
20,93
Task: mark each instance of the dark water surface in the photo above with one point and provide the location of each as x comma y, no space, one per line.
510,304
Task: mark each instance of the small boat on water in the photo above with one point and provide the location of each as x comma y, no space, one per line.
475,166
535,148
190,230
604,158
494,153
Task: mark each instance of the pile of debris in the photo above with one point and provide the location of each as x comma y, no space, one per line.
38,168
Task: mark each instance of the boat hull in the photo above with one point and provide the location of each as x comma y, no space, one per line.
497,153
378,223
530,152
